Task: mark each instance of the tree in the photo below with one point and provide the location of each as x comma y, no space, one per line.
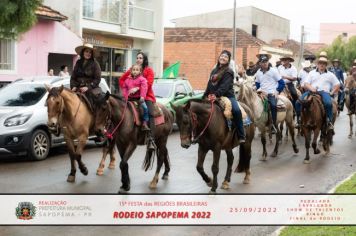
17,16
343,50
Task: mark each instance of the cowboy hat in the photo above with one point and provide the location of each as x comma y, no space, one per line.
79,49
286,58
306,64
251,64
264,56
323,54
323,59
336,60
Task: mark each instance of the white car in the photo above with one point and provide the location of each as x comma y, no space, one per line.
23,116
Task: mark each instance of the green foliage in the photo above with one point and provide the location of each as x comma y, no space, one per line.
343,50
17,16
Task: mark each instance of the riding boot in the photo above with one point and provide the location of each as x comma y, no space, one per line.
145,126
151,141
274,128
329,124
297,124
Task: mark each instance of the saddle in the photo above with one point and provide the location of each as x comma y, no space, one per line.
89,97
225,105
281,106
137,112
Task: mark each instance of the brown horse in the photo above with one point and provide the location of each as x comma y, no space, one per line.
350,94
214,135
313,119
114,110
66,111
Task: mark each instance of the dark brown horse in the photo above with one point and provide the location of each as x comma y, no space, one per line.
313,120
68,112
113,109
350,100
199,117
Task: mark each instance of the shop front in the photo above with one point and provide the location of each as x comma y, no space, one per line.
114,55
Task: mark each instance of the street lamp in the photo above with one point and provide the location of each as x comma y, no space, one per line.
234,33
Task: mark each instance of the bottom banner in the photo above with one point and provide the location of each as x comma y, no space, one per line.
178,210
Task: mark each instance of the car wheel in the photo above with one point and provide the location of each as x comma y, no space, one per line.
39,145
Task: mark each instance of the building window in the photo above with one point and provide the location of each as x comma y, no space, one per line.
344,35
7,55
102,10
254,31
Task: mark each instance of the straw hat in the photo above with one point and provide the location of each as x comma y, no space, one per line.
287,58
79,49
251,64
323,59
336,60
306,64
323,54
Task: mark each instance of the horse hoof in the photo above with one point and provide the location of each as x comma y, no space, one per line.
153,185
350,136
212,192
317,151
274,154
71,178
246,181
99,172
210,183
111,166
306,161
84,171
123,190
296,150
165,177
225,185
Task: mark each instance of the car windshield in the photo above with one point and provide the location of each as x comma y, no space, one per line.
162,90
21,94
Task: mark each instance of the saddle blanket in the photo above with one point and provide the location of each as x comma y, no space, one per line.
136,111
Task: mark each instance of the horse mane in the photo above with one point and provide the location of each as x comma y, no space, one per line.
55,91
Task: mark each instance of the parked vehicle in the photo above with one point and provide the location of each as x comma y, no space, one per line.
23,116
176,91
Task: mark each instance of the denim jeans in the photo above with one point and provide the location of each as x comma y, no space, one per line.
237,117
145,112
273,103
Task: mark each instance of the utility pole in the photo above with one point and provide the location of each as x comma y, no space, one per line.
301,46
234,33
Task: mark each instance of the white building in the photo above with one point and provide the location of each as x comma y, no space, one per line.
259,23
118,29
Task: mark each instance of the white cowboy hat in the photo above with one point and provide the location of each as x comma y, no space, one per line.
287,57
323,54
79,49
323,59
306,64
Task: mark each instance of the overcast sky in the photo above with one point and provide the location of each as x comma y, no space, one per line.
309,13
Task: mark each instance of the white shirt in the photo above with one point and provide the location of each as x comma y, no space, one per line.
268,80
303,76
290,72
322,82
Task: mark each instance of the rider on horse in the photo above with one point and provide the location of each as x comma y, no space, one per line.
324,83
269,81
339,73
221,84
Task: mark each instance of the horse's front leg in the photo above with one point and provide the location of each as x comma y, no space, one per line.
307,136
315,139
230,161
263,141
351,126
82,141
71,150
200,165
215,167
124,167
107,149
278,138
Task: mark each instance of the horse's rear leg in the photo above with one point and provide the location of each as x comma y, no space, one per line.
161,155
263,141
200,165
230,161
278,138
124,167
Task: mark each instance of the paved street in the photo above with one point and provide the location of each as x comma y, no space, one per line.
284,174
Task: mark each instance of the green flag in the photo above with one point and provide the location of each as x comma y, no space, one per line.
171,71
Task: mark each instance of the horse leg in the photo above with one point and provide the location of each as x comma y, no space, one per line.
166,165
200,165
124,167
79,150
106,150
244,161
290,126
73,169
161,154
278,138
351,126
307,136
230,161
215,167
112,163
263,141
314,144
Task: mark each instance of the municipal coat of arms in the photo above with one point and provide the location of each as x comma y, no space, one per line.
25,211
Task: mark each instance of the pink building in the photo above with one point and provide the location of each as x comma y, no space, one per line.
48,44
330,31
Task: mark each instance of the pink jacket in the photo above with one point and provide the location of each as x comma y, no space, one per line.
131,82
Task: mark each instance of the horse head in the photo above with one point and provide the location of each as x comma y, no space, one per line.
184,122
55,107
102,113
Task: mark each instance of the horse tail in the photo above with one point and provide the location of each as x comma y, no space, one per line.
244,157
149,159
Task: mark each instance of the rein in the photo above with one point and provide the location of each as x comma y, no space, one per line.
195,123
110,135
